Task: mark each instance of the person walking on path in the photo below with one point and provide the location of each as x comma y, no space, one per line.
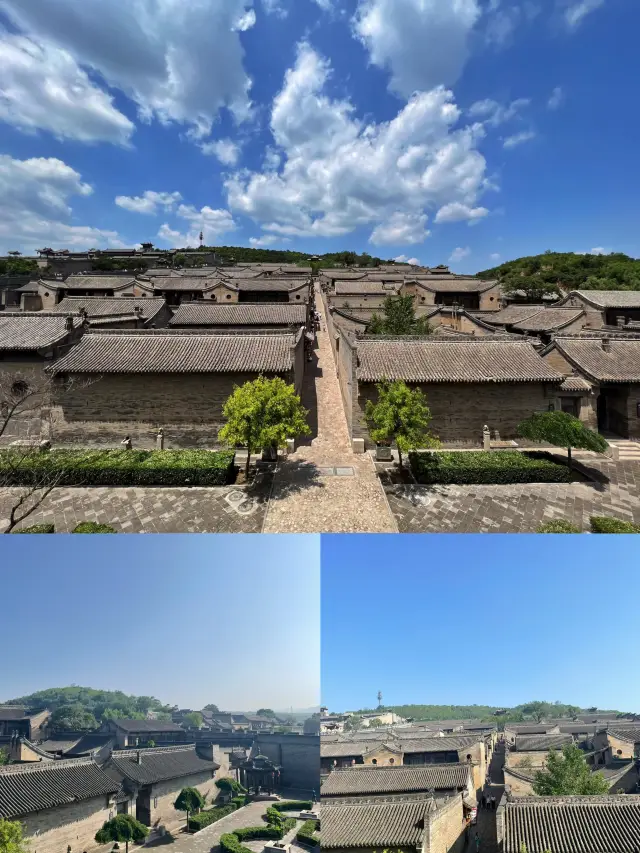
477,842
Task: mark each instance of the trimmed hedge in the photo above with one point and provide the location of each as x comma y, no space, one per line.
37,528
120,467
558,526
306,833
205,818
92,527
487,468
292,805
229,843
239,802
249,833
599,524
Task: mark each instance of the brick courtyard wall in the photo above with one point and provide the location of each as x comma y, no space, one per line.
519,787
533,759
459,411
478,763
167,792
620,748
298,756
445,829
74,826
187,406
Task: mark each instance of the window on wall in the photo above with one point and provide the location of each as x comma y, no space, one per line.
374,760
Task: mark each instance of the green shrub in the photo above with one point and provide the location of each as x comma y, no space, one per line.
249,833
228,783
239,802
92,527
307,833
292,805
37,528
229,843
559,525
480,467
599,524
120,467
202,819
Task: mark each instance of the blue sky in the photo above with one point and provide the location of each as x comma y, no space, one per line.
496,620
464,132
189,619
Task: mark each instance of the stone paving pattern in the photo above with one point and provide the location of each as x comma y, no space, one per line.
304,499
518,508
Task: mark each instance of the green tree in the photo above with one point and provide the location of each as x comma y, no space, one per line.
190,800
400,415
539,710
229,785
73,718
399,319
352,723
265,712
4,757
568,773
123,827
193,720
11,839
562,430
213,708
375,723
263,413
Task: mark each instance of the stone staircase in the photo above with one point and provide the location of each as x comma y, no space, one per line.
625,451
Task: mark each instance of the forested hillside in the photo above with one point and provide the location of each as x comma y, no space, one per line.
547,273
530,711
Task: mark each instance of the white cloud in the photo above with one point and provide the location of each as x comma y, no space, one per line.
556,98
227,152
35,208
599,250
212,223
576,12
325,5
247,21
275,7
459,254
42,88
179,62
494,114
401,229
403,259
338,174
422,43
267,240
518,139
149,202
457,212
495,256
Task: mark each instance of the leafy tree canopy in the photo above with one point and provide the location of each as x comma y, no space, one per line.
194,720
101,704
263,413
242,254
227,783
189,800
17,266
562,430
123,827
4,757
399,318
11,839
544,274
213,708
265,712
567,773
74,718
401,415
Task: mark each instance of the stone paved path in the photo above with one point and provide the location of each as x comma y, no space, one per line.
225,509
518,508
304,498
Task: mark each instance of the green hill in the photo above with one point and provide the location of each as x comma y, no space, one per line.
541,274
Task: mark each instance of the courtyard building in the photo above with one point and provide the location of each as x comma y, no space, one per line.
368,781
239,317
130,733
116,312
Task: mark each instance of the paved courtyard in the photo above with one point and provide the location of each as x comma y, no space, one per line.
519,508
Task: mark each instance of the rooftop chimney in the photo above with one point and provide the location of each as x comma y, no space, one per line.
606,344
137,310
68,323
139,757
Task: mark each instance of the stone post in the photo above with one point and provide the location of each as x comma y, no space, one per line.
486,438
160,439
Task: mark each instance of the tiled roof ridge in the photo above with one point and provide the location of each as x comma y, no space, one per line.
37,749
578,799
403,767
147,333
361,802
37,313
514,340
154,750
37,766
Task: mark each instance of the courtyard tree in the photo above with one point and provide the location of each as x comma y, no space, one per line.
400,415
375,723
562,430
4,757
263,413
73,718
11,837
265,712
399,318
194,720
211,707
122,827
567,773
230,786
190,800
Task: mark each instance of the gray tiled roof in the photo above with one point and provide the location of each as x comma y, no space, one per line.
448,743
389,780
631,734
513,314
575,383
421,360
146,725
365,287
185,283
9,712
541,743
157,765
175,351
32,331
548,319
271,284
109,306
93,282
240,314
369,825
621,363
455,285
524,729
609,298
573,824
27,788
344,749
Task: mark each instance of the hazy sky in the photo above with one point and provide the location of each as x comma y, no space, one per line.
496,620
189,619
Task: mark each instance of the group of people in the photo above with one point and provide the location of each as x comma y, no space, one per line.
487,800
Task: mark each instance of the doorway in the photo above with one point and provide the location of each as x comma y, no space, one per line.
143,806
